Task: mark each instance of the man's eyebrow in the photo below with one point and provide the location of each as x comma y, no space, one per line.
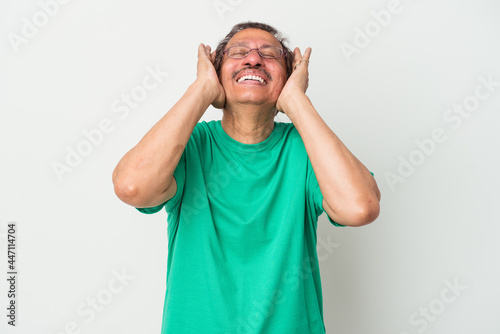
243,43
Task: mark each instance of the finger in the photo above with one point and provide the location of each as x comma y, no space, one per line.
202,50
208,51
307,54
299,59
296,56
212,56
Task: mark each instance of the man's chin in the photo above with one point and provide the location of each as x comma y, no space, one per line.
240,103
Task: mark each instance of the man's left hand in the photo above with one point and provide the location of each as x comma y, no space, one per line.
298,81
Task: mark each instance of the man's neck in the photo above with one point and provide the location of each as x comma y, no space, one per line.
248,124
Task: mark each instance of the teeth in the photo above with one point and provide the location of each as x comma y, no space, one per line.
251,77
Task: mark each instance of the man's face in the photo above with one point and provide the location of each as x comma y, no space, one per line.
272,71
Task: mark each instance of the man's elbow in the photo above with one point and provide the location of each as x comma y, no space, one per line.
126,189
363,213
126,192
368,213
367,209
141,194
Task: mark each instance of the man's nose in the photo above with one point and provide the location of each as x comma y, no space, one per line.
253,58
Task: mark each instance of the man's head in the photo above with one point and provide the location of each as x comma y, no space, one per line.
253,25
250,75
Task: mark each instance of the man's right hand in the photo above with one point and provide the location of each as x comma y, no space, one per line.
207,75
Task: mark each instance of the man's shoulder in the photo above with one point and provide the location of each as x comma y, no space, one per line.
204,126
204,130
290,133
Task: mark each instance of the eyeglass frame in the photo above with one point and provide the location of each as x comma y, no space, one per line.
283,53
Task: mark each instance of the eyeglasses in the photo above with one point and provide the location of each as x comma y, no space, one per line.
268,52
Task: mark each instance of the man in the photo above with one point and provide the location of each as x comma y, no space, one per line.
243,194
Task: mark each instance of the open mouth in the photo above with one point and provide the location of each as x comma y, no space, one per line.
252,78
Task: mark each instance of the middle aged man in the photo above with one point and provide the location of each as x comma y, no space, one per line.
243,194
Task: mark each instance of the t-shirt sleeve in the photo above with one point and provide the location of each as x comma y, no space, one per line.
180,179
314,195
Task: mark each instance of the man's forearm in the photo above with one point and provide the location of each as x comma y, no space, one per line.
348,188
144,174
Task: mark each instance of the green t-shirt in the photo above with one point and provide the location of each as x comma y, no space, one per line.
242,252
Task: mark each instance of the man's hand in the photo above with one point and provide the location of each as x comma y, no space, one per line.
298,82
207,75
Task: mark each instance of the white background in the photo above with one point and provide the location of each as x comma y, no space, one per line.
439,225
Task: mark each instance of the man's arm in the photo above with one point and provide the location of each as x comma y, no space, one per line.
350,194
144,176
